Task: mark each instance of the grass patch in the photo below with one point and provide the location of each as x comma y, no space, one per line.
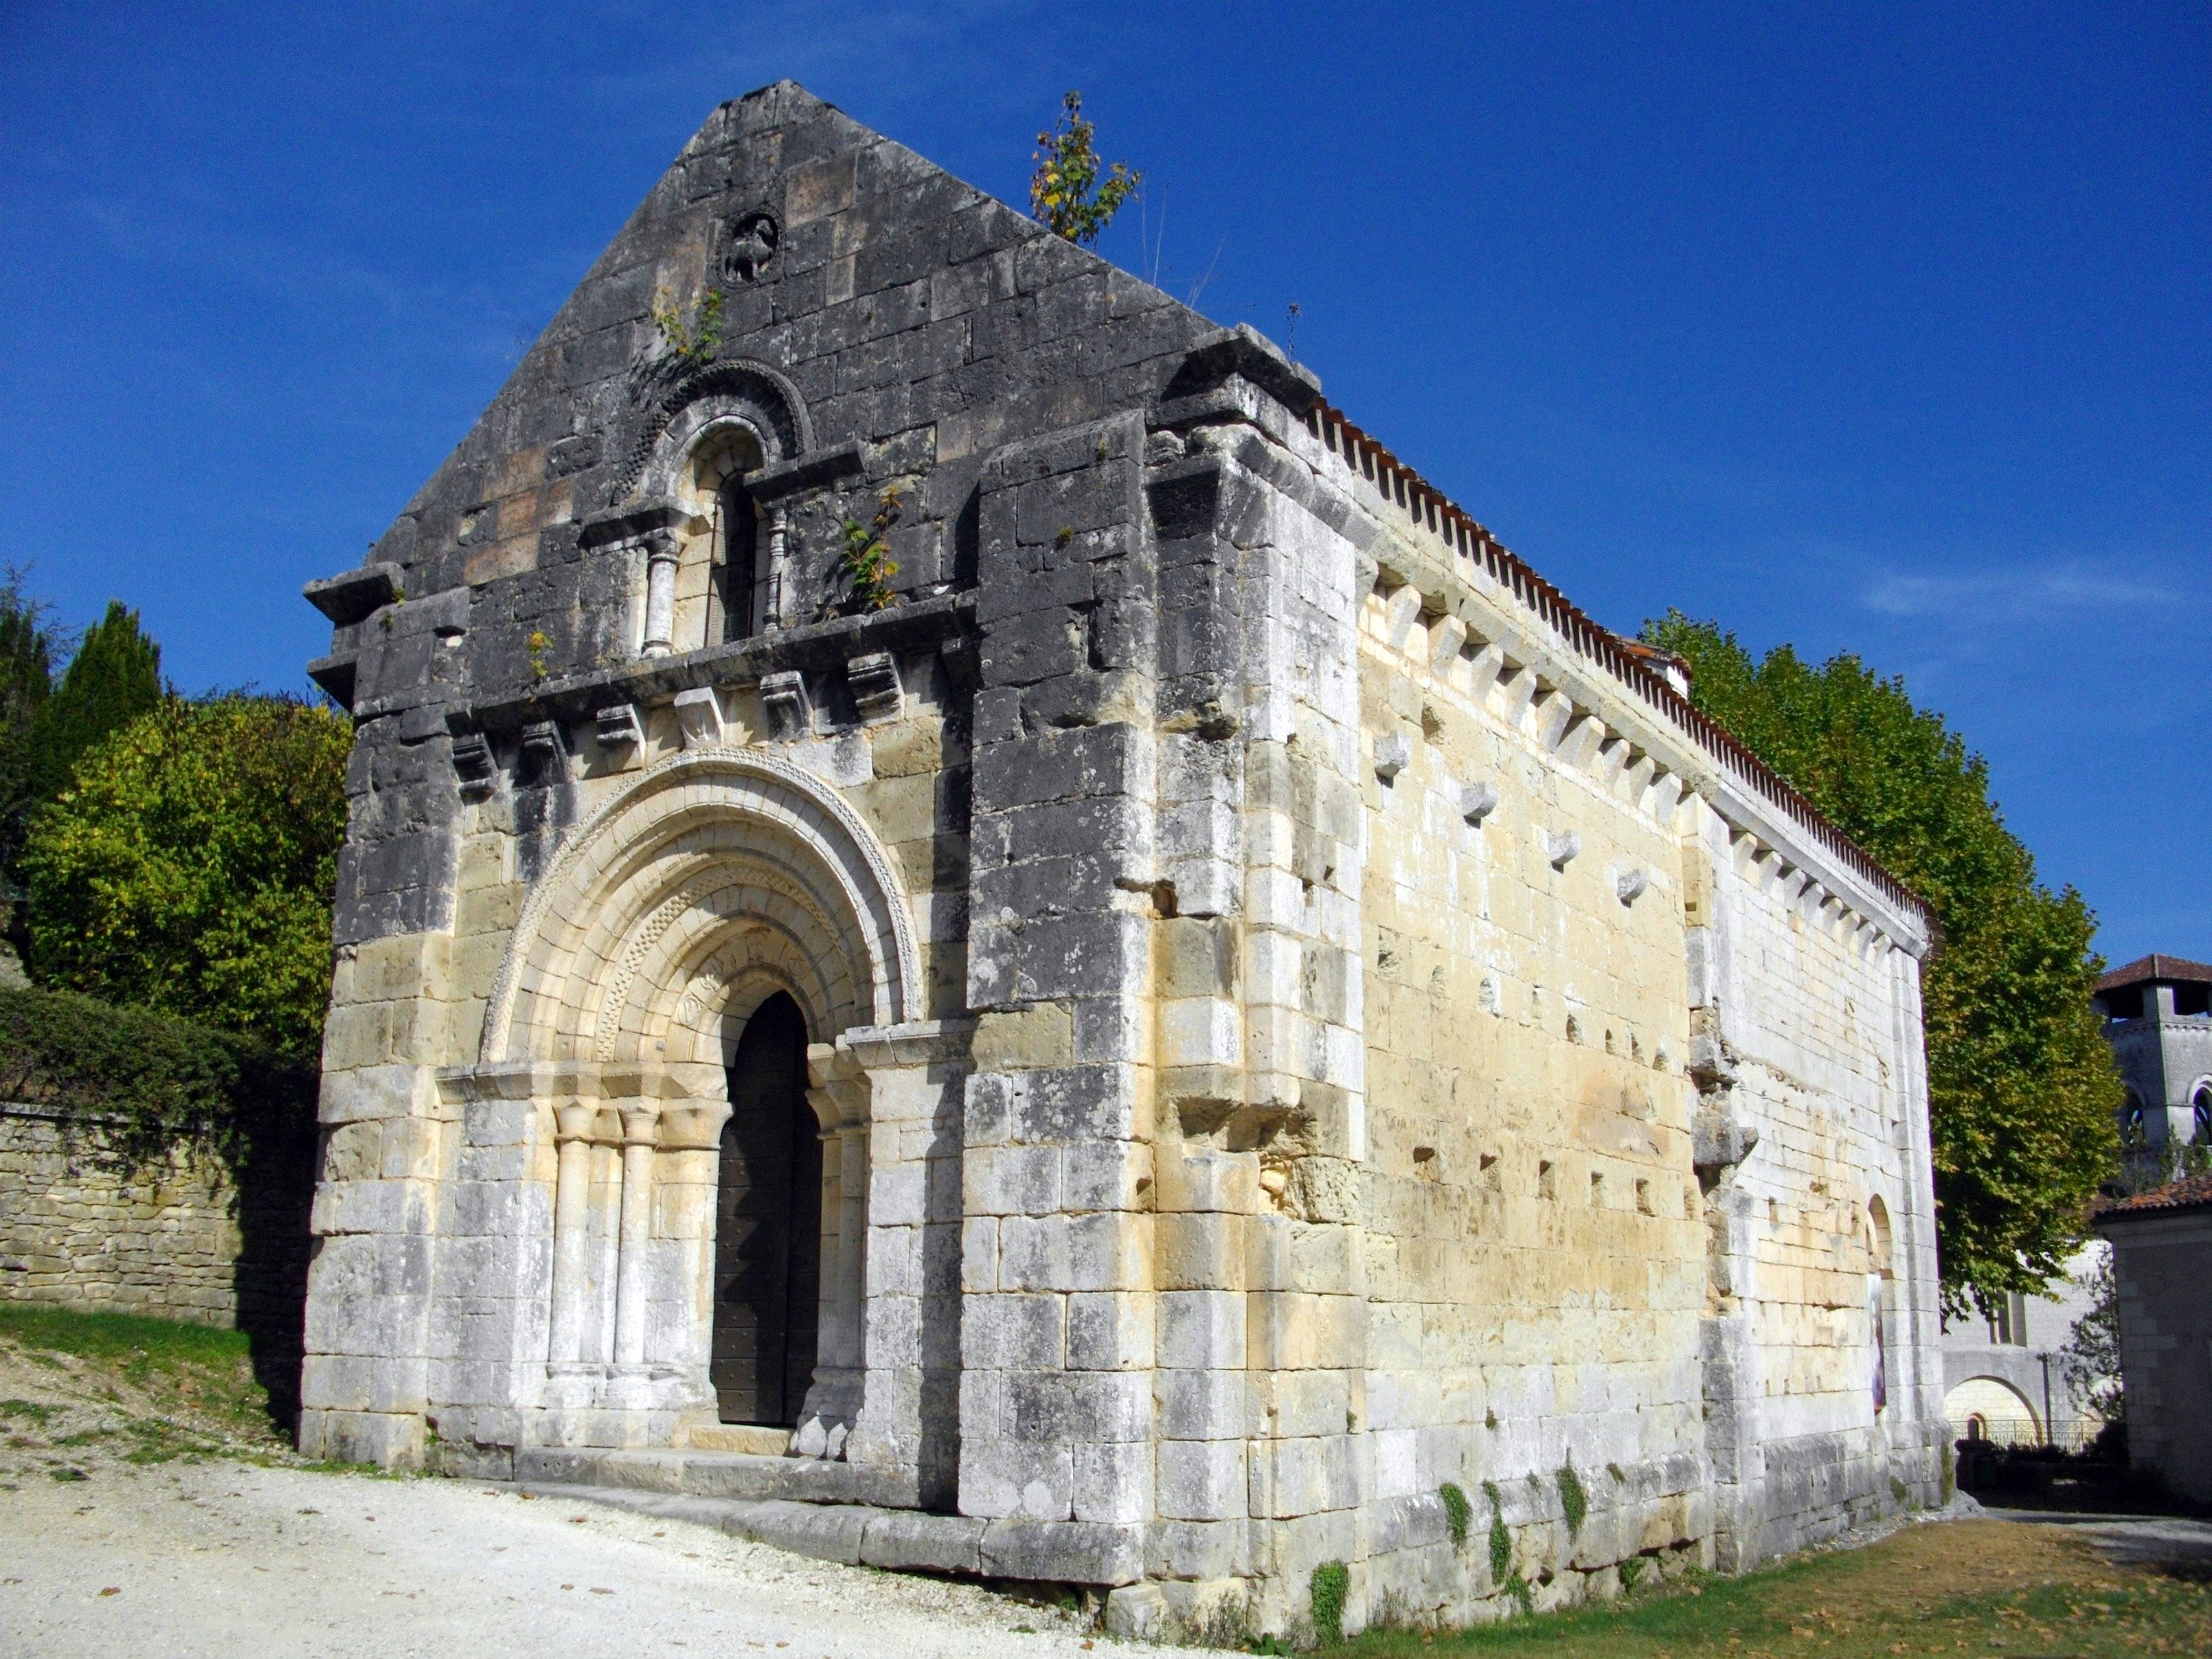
1997,1589
191,1381
121,1340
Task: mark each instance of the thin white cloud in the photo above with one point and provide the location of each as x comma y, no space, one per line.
2020,594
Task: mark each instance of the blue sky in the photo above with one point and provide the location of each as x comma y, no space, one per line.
1879,329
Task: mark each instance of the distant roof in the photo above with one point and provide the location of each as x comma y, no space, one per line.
2191,1193
2156,966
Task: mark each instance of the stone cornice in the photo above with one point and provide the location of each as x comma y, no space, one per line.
926,623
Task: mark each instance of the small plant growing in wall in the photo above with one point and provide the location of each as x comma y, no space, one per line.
1501,1539
696,340
1331,1584
1066,191
1457,1512
1572,1499
538,644
865,558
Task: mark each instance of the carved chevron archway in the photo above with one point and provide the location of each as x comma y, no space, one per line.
718,868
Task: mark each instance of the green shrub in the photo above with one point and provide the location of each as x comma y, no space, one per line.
141,1084
1332,1582
190,865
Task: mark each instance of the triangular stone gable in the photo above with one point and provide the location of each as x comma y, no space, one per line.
912,315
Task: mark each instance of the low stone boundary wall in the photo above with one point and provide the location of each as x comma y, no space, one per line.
77,1233
188,1239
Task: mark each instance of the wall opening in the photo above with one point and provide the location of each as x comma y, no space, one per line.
768,1231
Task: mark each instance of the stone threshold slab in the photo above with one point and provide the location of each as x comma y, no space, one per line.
696,1473
900,1540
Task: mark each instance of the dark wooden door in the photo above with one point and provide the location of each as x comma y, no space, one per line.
768,1225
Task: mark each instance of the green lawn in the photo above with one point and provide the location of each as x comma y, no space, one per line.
1970,1587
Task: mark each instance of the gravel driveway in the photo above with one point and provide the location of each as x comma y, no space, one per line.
235,1561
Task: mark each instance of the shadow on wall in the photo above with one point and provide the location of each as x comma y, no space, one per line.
275,1192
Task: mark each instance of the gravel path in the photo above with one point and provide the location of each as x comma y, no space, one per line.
225,1558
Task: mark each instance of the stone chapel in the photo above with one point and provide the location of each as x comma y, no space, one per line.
969,914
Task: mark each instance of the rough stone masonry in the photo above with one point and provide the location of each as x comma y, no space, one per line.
1208,1024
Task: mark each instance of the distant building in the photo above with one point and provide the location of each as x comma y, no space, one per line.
2161,1245
2004,1375
2157,1017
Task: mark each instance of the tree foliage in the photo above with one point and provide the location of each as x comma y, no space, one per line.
1066,191
114,678
26,679
139,1084
2022,1095
189,867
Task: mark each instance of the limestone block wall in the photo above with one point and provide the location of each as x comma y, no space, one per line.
74,1233
1536,1244
2160,1253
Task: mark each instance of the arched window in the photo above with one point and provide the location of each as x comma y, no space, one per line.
2132,1132
732,613
718,592
2201,1115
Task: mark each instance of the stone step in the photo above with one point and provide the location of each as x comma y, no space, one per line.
1073,1553
857,1534
732,1474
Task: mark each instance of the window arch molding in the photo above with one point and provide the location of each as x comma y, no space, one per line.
747,391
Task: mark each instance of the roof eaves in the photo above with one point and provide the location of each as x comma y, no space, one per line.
1428,505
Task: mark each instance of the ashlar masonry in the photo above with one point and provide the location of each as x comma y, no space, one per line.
1208,1024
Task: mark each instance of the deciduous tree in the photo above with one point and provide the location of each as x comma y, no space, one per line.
189,867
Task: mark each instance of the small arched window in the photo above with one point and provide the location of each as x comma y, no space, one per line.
718,594
731,611
2201,1115
2132,1132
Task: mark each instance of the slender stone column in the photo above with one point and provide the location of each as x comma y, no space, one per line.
839,1095
640,1124
659,594
768,602
572,1198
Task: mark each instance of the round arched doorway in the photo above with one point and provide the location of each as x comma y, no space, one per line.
768,1225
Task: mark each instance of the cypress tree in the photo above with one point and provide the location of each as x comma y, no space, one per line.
114,678
26,683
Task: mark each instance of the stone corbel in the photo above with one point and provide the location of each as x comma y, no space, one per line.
1553,712
699,717
544,753
621,735
475,767
785,705
1393,753
1445,639
1721,1137
874,679
1400,613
